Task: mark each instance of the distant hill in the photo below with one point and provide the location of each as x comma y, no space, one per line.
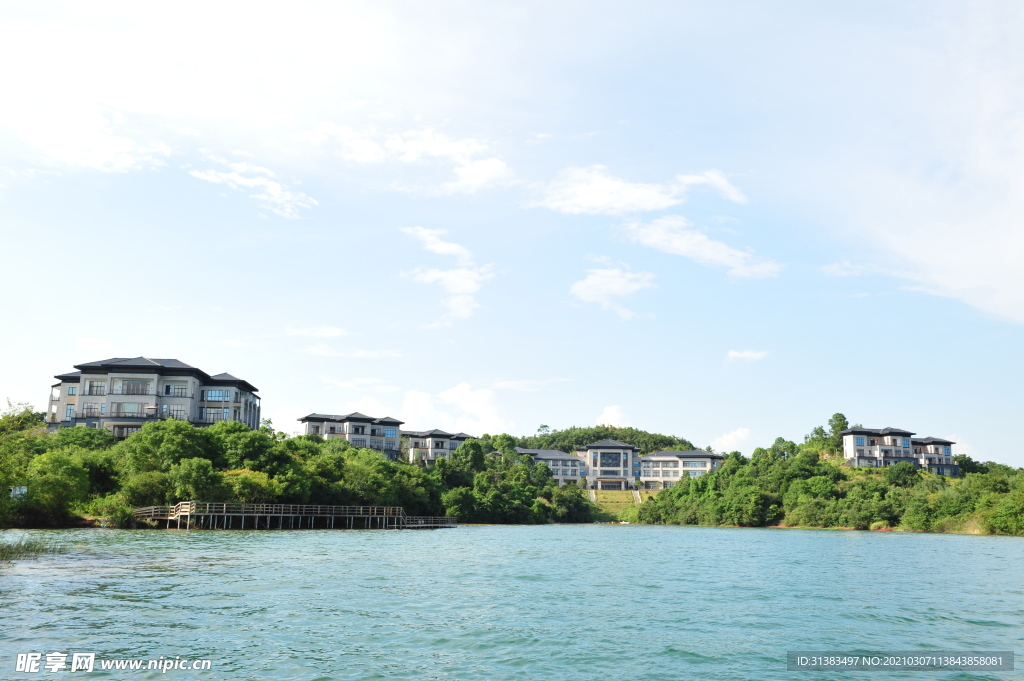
569,439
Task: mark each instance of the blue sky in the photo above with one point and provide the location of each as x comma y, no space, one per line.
724,221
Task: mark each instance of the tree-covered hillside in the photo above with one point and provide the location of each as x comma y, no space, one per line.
805,485
569,439
84,472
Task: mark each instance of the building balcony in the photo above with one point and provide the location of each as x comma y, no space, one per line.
132,391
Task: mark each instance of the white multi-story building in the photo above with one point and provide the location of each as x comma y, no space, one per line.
565,468
430,445
880,447
361,430
612,464
384,435
121,394
662,470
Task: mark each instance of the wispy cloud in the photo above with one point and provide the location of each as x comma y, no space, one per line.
460,283
593,190
745,355
324,350
527,385
316,331
469,159
375,384
847,269
675,234
271,193
605,286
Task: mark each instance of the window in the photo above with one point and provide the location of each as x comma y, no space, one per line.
453,445
96,388
91,410
126,409
906,442
69,412
215,395
176,411
611,459
670,464
359,430
860,441
694,474
390,432
175,391
315,430
72,390
376,444
359,442
946,451
134,387
438,444
330,429
389,444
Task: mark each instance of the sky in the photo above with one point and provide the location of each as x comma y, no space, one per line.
720,220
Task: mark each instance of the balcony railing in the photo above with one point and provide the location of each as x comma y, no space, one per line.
177,392
131,391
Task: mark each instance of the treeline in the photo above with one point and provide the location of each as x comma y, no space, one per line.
85,472
569,439
805,486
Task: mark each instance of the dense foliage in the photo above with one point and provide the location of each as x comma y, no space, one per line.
804,485
78,472
569,439
83,472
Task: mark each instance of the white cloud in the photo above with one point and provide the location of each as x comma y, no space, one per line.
375,384
847,269
460,283
268,191
527,385
370,406
613,416
745,355
324,350
603,286
457,409
316,331
97,345
731,441
674,234
472,173
593,190
431,240
962,446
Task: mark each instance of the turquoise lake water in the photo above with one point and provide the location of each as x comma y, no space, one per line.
492,603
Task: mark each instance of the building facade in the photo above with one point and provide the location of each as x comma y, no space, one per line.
430,445
662,470
121,394
565,468
612,464
385,435
881,447
361,430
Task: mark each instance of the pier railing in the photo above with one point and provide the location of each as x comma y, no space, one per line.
382,516
306,510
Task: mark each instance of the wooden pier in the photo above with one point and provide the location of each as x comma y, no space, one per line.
217,516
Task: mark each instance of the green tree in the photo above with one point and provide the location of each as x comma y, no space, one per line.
252,487
55,482
903,474
836,425
196,480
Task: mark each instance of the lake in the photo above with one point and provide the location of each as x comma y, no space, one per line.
491,603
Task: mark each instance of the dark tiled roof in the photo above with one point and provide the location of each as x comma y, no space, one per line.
609,444
692,454
875,431
354,416
463,436
932,441
71,376
150,365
